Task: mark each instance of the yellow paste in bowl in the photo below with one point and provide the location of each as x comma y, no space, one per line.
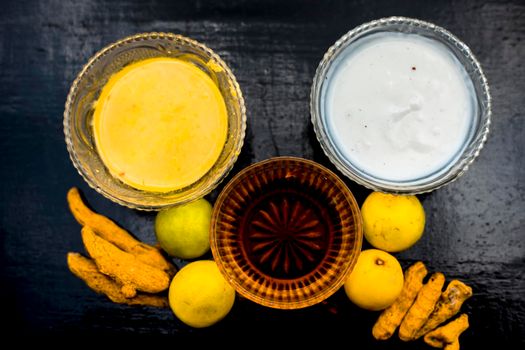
160,124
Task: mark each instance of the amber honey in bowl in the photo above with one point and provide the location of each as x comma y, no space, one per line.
286,232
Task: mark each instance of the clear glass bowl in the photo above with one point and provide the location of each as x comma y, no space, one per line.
86,89
478,132
286,232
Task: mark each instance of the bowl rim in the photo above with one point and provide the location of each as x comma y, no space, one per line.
68,117
472,149
320,296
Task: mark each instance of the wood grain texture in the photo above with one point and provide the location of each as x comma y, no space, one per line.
476,226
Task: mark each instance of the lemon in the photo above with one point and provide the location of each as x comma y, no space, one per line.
376,280
392,222
199,295
183,231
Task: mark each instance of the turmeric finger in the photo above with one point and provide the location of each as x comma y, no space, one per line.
447,306
150,300
452,346
128,291
447,334
111,232
123,267
86,269
392,316
418,313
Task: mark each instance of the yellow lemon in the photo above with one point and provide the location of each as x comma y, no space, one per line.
376,280
184,231
392,222
199,295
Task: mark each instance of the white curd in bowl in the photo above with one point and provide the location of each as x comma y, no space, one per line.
398,107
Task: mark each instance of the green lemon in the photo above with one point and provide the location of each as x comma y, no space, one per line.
183,231
199,295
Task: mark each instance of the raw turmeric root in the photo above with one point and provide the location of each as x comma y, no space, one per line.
124,267
452,346
447,306
418,313
447,336
392,316
86,270
111,232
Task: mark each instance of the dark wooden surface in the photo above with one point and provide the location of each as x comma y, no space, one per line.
475,229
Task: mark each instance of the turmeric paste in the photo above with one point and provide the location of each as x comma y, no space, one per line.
448,305
392,316
124,267
447,336
86,269
111,232
418,313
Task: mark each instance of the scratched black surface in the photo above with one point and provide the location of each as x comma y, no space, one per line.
475,229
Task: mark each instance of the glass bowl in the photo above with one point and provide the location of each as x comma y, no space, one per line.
86,88
286,232
478,130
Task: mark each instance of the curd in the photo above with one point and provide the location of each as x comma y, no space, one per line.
398,107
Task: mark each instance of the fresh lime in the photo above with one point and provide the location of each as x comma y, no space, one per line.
199,295
376,280
183,231
392,222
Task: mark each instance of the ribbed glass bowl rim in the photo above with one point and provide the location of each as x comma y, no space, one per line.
68,115
224,265
468,155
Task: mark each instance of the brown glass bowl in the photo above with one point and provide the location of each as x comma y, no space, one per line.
286,232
